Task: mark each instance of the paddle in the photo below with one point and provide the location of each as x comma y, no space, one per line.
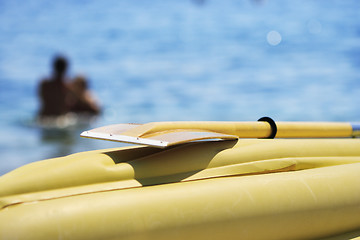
163,134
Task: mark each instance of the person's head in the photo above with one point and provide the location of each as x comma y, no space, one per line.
60,64
80,83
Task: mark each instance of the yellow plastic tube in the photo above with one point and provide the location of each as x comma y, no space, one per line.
245,189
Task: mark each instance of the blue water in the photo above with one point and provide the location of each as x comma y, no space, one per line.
165,60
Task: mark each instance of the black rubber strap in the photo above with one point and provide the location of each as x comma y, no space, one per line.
272,125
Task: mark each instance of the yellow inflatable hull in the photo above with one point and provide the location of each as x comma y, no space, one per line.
238,189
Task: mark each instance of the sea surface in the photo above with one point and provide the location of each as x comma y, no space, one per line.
170,60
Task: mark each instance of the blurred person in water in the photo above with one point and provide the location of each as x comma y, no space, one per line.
83,101
60,96
54,91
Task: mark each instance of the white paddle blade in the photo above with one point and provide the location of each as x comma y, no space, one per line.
162,139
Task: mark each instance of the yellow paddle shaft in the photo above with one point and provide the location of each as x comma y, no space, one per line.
249,129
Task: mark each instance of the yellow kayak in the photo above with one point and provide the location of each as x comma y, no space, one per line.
210,189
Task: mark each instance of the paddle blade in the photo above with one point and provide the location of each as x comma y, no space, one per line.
120,133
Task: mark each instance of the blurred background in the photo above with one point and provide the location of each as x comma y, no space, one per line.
167,60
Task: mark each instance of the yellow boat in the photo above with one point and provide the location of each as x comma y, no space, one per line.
196,181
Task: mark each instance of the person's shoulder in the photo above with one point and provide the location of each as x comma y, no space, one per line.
45,84
44,81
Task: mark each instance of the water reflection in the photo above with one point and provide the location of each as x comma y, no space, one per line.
62,139
274,38
314,26
62,133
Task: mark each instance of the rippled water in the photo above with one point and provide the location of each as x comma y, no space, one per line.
177,60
